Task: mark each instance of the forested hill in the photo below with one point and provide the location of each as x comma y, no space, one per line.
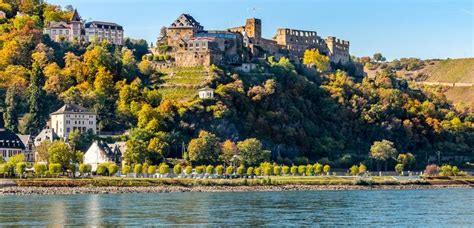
323,116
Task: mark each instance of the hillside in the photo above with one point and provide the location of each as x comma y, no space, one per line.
452,70
181,84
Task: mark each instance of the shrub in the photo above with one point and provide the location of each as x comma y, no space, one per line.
220,170
84,168
309,170
112,168
455,171
399,168
354,170
318,168
362,169
200,169
229,170
178,170
20,168
249,171
276,170
302,169
188,170
101,169
285,170
294,170
431,170
240,170
267,170
55,168
210,169
151,169
137,169
126,169
40,169
164,169
258,171
145,168
327,169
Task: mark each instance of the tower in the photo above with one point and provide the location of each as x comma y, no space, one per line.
253,28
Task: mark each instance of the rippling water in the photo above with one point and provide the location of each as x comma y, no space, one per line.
438,207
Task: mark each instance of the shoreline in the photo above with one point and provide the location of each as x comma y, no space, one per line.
18,190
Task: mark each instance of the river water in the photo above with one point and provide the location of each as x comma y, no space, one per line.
412,208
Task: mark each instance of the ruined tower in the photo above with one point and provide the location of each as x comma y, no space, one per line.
253,28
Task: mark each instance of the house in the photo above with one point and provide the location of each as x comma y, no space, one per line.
118,150
28,141
46,134
72,117
10,144
246,67
99,152
100,31
206,93
61,30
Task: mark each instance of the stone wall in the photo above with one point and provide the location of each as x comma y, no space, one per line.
202,58
338,50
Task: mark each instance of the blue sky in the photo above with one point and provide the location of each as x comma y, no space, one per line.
396,28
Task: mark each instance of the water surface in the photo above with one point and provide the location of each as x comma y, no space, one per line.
437,207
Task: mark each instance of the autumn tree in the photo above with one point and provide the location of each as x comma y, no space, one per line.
229,150
382,151
204,149
252,152
313,58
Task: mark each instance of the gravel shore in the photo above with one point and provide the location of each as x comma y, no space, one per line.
12,190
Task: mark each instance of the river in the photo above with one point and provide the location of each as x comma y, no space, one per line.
427,207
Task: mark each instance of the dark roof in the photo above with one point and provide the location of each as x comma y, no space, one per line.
103,24
58,24
186,21
8,139
75,16
72,108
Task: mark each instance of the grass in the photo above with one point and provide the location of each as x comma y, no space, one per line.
453,70
182,82
177,93
461,94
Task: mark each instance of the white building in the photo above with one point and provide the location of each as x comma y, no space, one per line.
27,141
3,15
206,93
69,31
10,144
246,67
99,152
100,31
72,117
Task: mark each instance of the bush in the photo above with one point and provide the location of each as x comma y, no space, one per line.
362,169
164,169
294,170
102,169
85,168
276,170
240,170
178,170
220,170
229,170
318,168
249,171
285,170
55,168
40,169
20,168
258,171
151,170
200,169
145,168
210,169
455,171
188,170
267,170
126,169
354,170
431,170
301,169
327,169
399,168
137,169
309,170
112,168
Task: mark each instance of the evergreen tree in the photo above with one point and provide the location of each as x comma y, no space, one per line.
36,99
10,116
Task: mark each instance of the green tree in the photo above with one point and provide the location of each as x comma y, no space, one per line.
354,170
60,153
36,100
177,170
219,169
378,57
137,169
40,169
277,170
408,160
112,168
84,168
126,169
200,169
326,169
20,169
10,116
55,168
285,170
252,152
210,169
302,169
250,171
102,169
204,149
318,168
309,170
382,151
151,170
399,168
294,170
362,169
240,170
188,170
229,170
164,169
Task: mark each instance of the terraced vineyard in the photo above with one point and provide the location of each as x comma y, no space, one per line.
182,83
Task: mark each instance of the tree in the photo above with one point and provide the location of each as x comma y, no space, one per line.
229,150
151,170
294,170
55,168
41,151
40,169
399,168
257,171
112,168
309,170
20,169
378,57
137,169
204,149
188,170
126,169
250,171
102,169
219,169
84,168
302,169
164,169
318,168
80,141
326,169
210,169
362,169
177,169
252,152
285,170
60,153
408,160
200,169
382,151
36,100
229,170
354,170
313,58
10,116
276,170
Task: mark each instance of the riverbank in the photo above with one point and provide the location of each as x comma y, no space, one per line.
16,190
